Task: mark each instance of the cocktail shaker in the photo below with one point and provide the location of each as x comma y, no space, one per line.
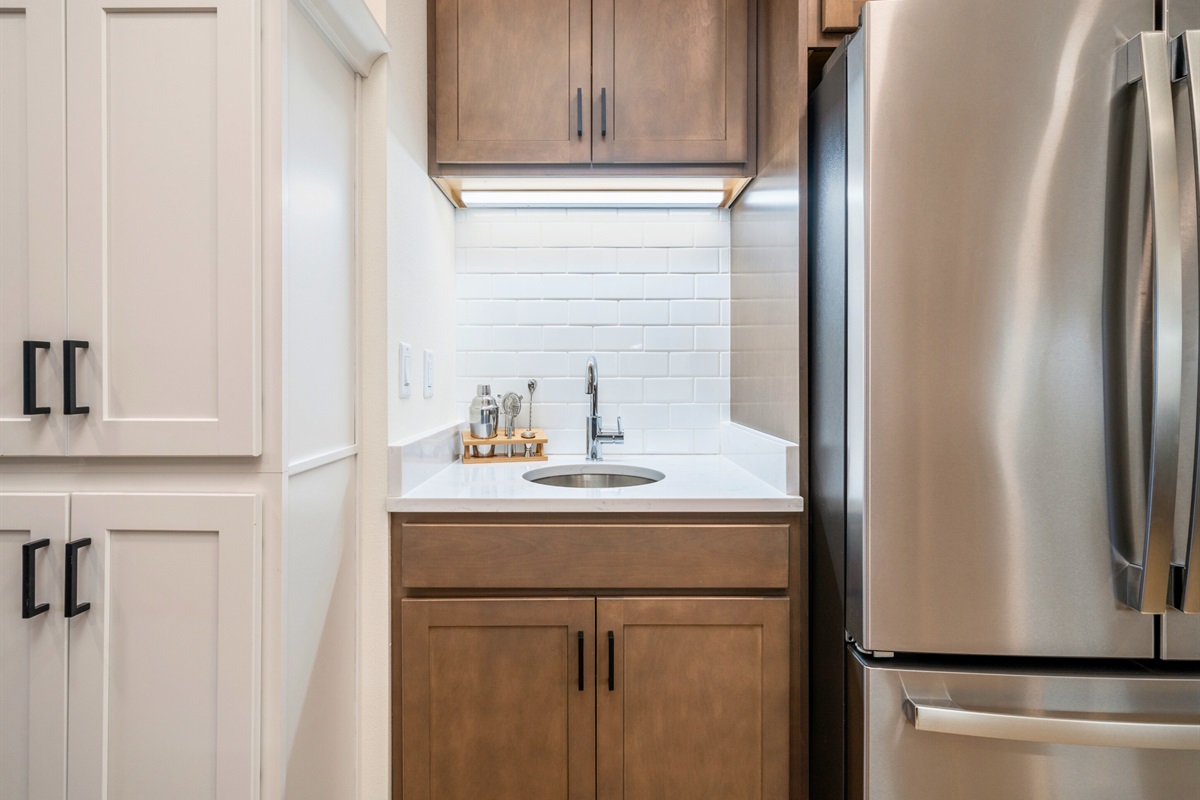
484,416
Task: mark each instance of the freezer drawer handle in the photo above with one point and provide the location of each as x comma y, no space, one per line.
1146,585
946,717
1185,578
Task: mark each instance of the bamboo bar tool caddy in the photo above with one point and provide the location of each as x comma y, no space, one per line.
515,444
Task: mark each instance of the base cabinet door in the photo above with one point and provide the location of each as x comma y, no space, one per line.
33,647
164,642
692,698
498,699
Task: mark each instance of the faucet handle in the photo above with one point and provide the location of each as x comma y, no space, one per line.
619,431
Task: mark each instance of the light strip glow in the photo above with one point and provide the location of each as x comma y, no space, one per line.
593,199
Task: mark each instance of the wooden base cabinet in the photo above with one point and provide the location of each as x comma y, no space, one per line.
693,700
579,698
129,649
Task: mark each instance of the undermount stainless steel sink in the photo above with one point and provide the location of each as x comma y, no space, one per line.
594,476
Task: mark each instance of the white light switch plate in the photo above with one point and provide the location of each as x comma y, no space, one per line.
428,373
405,370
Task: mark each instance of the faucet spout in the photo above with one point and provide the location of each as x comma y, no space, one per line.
596,435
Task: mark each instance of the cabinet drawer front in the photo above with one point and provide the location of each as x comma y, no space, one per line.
594,556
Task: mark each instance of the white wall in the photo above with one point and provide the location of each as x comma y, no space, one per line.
420,235
646,291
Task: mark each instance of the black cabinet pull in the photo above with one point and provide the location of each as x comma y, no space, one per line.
29,607
603,112
30,376
579,639
579,112
612,681
69,348
72,608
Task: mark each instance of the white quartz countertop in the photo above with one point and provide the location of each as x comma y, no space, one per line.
704,483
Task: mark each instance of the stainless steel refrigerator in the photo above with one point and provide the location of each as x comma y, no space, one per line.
1004,341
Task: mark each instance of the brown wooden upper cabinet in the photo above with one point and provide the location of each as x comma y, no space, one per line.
592,82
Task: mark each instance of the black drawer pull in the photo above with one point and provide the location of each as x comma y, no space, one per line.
612,679
29,607
30,379
603,112
69,398
579,640
74,609
579,112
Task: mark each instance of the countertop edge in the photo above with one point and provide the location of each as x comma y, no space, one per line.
584,505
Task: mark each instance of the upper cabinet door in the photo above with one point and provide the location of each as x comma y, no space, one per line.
513,81
163,282
32,220
670,81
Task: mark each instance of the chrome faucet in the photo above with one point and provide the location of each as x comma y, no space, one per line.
596,435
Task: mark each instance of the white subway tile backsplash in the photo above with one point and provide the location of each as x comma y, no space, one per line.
669,338
542,312
670,287
593,312
668,390
619,287
567,287
695,365
568,233
712,338
569,338
619,339
514,338
668,442
540,260
645,312
695,260
617,234
668,234
543,365
491,312
646,290
517,287
597,259
649,365
712,287
649,260
695,312
694,416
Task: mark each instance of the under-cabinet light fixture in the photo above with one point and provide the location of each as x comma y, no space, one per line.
600,198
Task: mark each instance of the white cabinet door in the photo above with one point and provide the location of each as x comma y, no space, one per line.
32,224
162,202
164,669
33,648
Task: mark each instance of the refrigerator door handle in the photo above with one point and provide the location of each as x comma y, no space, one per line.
945,716
1146,585
1185,578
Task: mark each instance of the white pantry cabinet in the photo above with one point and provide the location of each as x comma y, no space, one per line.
130,241
151,687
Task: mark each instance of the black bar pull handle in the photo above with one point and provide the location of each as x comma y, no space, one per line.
74,609
29,607
30,376
603,112
612,672
579,112
69,399
579,640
